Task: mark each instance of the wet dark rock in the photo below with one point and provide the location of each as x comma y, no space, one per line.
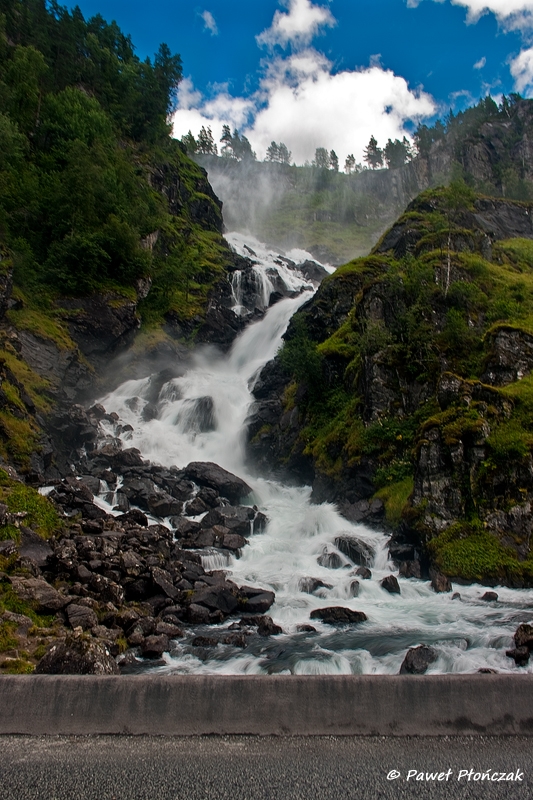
197,614
265,625
237,519
154,646
487,671
520,655
489,597
196,507
390,584
363,572
356,550
353,589
310,585
77,655
255,601
204,641
418,659
330,560
456,596
235,639
216,598
169,629
439,582
524,636
338,615
305,629
312,271
225,483
410,569
135,517
163,581
260,522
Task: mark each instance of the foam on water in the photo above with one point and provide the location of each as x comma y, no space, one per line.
468,633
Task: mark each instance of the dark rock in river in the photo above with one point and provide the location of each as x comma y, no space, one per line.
439,582
489,597
337,614
310,585
520,655
418,659
390,584
355,549
207,473
524,636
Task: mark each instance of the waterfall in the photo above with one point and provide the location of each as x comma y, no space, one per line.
201,417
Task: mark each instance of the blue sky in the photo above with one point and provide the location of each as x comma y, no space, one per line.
314,73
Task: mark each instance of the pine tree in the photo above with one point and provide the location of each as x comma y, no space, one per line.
334,161
321,159
285,154
373,155
272,153
349,164
227,143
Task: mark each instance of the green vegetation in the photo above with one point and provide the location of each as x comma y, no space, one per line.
431,314
85,159
42,516
466,550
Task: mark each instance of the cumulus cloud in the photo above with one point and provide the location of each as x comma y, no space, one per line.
299,26
512,14
481,63
303,103
209,23
522,72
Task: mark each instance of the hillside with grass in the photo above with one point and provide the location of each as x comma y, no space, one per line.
407,380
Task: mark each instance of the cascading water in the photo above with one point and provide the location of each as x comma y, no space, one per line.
202,418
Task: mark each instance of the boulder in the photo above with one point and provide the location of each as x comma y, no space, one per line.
330,560
439,582
333,615
353,589
32,546
310,585
255,601
79,654
524,636
418,659
520,655
363,572
265,625
39,593
390,584
355,549
489,597
154,646
216,598
81,617
206,473
237,519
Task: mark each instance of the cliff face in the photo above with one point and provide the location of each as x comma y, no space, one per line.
406,380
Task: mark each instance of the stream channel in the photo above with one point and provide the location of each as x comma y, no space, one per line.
299,540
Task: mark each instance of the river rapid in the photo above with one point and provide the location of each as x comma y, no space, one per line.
298,542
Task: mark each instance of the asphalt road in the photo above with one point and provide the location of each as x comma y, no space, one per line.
257,768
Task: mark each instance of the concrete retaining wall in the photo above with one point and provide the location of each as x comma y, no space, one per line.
282,705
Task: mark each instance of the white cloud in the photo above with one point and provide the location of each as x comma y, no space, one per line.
303,21
302,103
512,14
522,72
209,23
481,63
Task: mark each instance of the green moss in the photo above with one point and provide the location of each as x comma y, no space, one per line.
468,551
20,439
9,601
36,387
42,515
45,325
17,666
7,640
395,497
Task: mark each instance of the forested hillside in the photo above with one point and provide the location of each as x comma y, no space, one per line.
338,215
94,193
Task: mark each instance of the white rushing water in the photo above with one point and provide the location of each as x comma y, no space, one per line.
467,632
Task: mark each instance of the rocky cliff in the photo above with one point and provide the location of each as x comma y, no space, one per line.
404,389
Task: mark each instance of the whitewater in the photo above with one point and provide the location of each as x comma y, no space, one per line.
467,632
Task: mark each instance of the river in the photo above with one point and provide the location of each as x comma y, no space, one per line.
298,542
